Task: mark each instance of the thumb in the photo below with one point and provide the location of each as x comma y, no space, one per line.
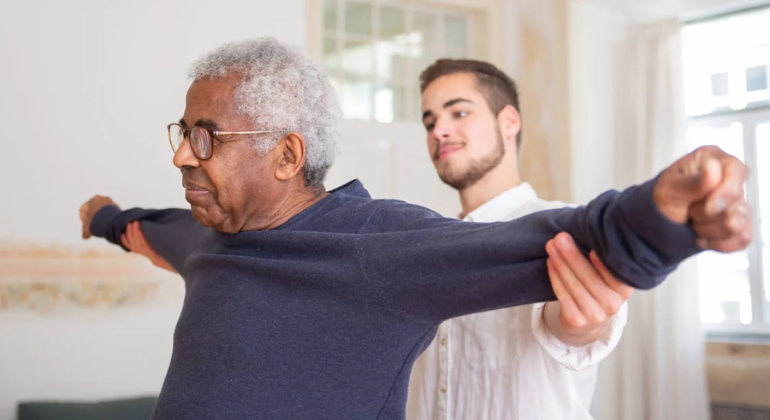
86,231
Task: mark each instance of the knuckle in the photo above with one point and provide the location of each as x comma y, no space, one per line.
612,306
626,291
745,238
596,317
708,150
575,320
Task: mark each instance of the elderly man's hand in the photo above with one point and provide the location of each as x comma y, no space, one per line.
89,209
705,188
136,242
589,296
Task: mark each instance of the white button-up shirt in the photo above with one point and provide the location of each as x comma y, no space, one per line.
505,364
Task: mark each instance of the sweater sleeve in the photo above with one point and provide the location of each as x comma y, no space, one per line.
173,233
436,268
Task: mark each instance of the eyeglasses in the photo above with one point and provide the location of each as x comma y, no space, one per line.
200,138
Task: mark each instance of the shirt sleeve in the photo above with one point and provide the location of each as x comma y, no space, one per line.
437,268
577,357
173,233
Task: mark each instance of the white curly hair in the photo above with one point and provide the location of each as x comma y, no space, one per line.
282,89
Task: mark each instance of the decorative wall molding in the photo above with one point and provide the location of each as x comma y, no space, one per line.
46,278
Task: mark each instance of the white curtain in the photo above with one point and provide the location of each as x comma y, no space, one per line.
658,370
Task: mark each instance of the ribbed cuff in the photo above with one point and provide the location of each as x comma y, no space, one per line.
101,220
674,242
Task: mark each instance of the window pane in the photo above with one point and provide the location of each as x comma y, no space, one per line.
331,57
425,42
358,18
756,78
725,289
728,138
390,103
392,22
330,15
393,49
426,24
356,97
725,62
383,105
719,84
393,59
456,32
357,59
401,100
763,177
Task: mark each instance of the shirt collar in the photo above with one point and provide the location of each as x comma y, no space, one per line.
503,204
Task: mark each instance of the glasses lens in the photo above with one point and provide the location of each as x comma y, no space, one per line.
200,140
175,136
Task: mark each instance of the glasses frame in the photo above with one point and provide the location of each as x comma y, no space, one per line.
187,133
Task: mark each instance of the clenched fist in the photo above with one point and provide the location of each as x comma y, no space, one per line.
705,189
89,209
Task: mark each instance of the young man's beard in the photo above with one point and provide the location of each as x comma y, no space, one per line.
476,168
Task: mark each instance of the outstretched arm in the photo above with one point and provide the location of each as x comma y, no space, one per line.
431,268
172,233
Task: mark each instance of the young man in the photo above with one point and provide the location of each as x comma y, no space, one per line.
524,363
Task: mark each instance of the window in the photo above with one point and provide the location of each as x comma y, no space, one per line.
374,52
726,64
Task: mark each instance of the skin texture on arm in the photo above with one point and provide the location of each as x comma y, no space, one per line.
588,295
136,242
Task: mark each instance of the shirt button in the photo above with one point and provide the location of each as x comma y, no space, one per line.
442,389
443,341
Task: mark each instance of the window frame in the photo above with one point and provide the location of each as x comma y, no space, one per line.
750,119
410,85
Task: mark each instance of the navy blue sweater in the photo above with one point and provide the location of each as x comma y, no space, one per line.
323,317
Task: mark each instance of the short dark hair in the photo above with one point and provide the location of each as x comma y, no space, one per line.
497,88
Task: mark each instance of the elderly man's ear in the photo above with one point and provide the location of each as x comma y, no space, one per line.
291,154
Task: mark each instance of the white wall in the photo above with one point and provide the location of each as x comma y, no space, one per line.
596,33
87,89
85,355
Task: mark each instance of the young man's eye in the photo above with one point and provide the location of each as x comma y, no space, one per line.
460,114
430,127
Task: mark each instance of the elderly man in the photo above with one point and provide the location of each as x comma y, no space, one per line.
303,303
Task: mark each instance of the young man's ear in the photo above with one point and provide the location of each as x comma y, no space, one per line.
510,122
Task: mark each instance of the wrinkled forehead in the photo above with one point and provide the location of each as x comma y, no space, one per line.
212,99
